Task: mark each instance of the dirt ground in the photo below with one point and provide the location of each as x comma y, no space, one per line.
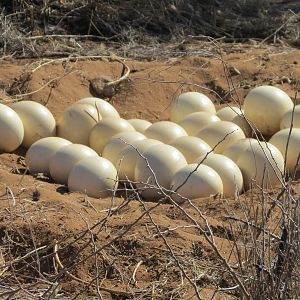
134,261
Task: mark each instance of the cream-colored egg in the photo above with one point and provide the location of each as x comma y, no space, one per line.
140,125
281,139
161,163
128,157
118,142
93,176
39,154
165,131
244,124
105,109
65,158
11,129
191,147
235,115
105,130
265,107
236,149
262,164
229,172
227,113
221,135
76,122
37,120
188,103
287,118
193,122
193,181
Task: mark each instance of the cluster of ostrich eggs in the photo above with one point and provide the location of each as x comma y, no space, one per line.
24,123
203,150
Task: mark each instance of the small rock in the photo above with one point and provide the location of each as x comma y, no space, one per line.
36,195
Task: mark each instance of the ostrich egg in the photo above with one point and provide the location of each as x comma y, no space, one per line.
165,131
106,110
11,129
94,176
192,123
39,154
191,147
280,140
128,157
262,163
140,125
236,149
188,103
286,120
37,120
265,106
229,172
244,124
65,158
118,142
193,181
221,135
159,164
76,122
227,113
105,130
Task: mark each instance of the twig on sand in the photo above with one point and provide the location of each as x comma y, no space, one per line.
109,290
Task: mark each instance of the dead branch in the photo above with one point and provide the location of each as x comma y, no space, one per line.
111,291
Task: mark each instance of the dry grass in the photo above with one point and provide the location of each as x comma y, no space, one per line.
262,262
30,29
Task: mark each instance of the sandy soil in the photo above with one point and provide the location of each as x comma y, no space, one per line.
137,265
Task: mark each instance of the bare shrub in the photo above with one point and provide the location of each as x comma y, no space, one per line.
143,22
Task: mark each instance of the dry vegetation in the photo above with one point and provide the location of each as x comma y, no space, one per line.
125,248
33,28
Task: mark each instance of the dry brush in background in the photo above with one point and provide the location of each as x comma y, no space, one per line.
29,28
